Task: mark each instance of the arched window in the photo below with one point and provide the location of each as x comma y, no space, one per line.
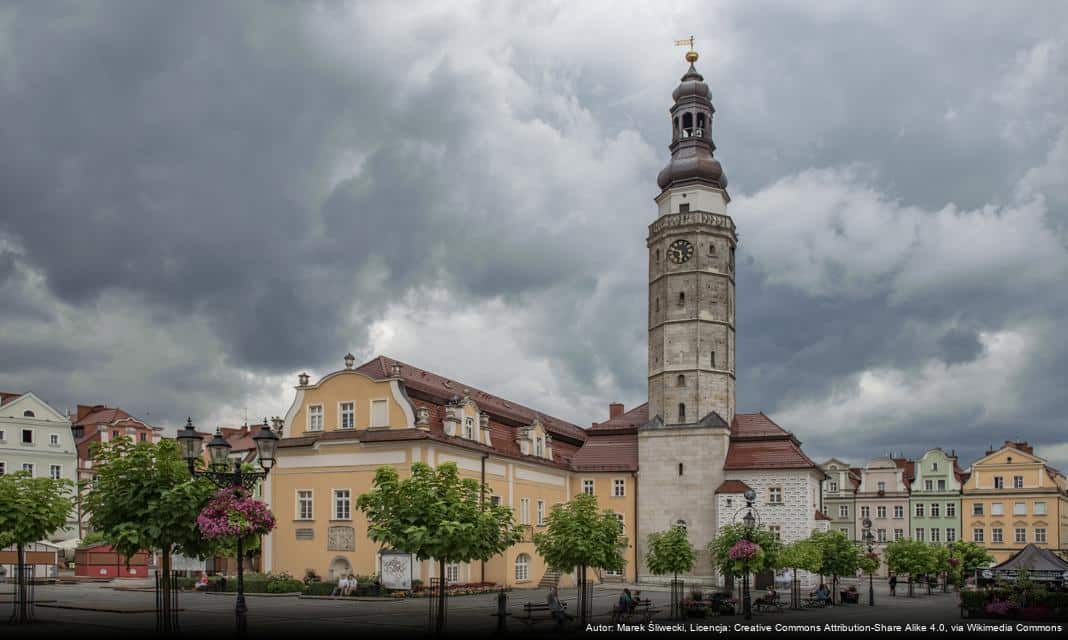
711,248
522,567
28,414
675,129
700,131
682,412
680,468
687,125
681,523
682,298
712,360
658,304
680,381
469,428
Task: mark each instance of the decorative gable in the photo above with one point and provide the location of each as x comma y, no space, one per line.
534,440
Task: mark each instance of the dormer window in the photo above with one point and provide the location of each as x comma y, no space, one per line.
469,428
539,447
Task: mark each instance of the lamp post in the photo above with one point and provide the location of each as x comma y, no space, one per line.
191,444
870,539
750,520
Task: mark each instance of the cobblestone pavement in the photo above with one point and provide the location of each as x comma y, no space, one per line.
210,615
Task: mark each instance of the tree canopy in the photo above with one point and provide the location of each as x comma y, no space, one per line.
577,534
32,509
911,557
728,536
670,552
839,556
970,556
805,555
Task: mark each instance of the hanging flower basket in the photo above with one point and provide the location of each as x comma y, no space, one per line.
234,513
953,562
744,550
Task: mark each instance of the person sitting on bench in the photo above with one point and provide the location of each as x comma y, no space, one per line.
823,594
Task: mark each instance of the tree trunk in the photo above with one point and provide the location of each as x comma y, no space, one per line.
23,615
165,587
439,623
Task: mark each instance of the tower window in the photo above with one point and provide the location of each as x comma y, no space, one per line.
711,249
684,207
700,132
658,304
682,412
675,129
680,381
658,255
680,468
687,125
712,360
682,298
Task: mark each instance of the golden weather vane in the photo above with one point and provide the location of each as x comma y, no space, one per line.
691,55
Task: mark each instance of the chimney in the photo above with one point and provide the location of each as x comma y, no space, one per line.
615,410
83,410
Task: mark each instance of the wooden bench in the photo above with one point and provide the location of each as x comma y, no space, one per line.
538,612
763,604
814,603
642,607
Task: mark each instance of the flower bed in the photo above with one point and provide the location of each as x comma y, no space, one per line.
1014,603
459,589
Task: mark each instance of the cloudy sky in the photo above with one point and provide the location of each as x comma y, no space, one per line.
199,200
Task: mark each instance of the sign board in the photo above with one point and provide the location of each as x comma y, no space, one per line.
396,570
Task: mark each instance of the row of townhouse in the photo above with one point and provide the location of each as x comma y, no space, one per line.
1005,500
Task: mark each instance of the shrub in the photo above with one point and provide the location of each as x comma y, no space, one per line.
320,588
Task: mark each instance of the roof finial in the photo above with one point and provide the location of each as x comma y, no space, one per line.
691,55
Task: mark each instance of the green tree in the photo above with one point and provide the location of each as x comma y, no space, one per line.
912,557
670,552
720,546
30,509
143,498
969,556
800,555
435,514
839,556
579,536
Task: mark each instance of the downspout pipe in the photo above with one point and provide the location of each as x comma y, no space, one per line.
482,500
634,474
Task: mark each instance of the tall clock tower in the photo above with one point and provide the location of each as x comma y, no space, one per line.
683,447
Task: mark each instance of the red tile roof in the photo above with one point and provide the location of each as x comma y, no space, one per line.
442,389
634,418
616,451
758,443
909,467
821,515
732,486
8,397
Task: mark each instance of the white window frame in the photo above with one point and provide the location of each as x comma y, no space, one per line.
951,509
372,404
53,439
1019,508
775,531
31,467
978,508
899,512
341,413
1039,508
928,485
881,486
1040,535
524,511
941,485
469,428
1018,533
1017,482
320,414
541,513
997,535
865,511
3,436
33,437
918,534
978,534
997,509
775,495
880,512
951,534
843,511
832,487
899,534
588,486
936,534
452,573
299,511
999,482
345,500
919,510
619,488
55,471
936,510
880,535
522,567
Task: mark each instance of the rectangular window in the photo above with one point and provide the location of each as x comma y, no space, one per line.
55,471
899,512
996,535
495,501
882,486
2,436
919,510
587,487
899,534
53,439
27,436
28,466
1017,482
619,487
977,535
865,512
832,487
941,485
776,531
1040,508
880,512
977,509
928,485
143,436
843,511
469,430
844,530
1020,535
524,510
684,207
936,510
315,417
304,505
379,413
452,573
951,510
541,513
713,360
342,504
619,519
3,468
348,415
997,509
1040,536
999,482
919,535
934,466
775,495
951,534
936,535
880,535
1019,508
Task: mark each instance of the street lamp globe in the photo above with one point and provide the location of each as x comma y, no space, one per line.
867,523
750,495
266,444
190,443
218,449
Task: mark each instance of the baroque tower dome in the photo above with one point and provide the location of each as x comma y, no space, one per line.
691,139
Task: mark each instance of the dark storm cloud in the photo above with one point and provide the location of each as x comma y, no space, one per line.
202,196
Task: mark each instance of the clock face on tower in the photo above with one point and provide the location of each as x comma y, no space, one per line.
680,251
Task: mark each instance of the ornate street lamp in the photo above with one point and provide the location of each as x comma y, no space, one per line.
870,539
191,444
749,520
